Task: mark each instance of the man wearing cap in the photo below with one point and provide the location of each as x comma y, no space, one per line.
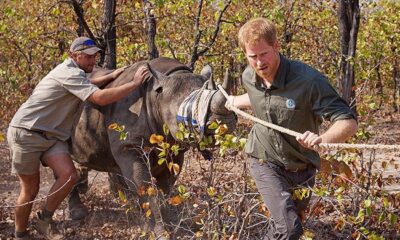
39,131
297,97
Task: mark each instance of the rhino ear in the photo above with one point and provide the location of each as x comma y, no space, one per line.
158,76
206,71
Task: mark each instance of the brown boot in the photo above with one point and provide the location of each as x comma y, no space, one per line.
47,228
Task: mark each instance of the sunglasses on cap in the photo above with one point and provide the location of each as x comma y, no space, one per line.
85,45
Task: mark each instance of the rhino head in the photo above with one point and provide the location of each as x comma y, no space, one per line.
217,110
175,89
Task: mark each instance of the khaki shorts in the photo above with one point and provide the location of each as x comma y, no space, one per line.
28,148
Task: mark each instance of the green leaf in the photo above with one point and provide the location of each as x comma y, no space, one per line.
368,211
242,142
175,149
360,216
393,219
122,196
364,230
367,203
181,127
162,153
385,203
165,129
123,136
179,135
56,11
161,161
213,126
211,191
160,3
202,146
339,190
381,217
181,189
208,140
165,145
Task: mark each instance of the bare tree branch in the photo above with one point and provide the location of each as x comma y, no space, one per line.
79,13
151,29
196,53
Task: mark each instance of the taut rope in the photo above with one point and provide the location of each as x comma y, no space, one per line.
296,134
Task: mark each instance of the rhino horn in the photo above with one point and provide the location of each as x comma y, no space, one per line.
206,71
211,83
227,81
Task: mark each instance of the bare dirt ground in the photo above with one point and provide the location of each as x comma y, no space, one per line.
108,219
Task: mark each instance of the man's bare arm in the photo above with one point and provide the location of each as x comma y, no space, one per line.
103,80
340,131
106,96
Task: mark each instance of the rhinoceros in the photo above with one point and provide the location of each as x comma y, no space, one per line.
143,113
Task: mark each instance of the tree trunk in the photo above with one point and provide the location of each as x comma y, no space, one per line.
290,25
396,77
379,84
151,30
110,34
349,20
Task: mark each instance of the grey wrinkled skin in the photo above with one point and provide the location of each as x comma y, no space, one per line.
99,148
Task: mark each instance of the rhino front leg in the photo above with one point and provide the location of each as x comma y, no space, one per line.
117,183
76,209
138,178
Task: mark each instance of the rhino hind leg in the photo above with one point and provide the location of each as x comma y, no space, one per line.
76,209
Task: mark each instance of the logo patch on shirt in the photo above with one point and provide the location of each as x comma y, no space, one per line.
290,103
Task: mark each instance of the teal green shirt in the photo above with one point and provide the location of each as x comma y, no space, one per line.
299,99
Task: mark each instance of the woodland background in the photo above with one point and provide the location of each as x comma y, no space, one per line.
355,43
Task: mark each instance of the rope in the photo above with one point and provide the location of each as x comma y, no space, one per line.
296,134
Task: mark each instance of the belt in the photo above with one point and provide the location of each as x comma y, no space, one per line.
306,167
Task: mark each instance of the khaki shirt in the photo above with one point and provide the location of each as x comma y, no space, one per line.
299,99
54,103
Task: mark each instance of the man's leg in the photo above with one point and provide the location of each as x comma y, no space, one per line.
66,177
25,158
29,189
275,191
303,179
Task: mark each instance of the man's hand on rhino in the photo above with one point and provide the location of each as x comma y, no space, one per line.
140,75
118,71
230,102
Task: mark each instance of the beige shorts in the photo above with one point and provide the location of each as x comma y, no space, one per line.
28,148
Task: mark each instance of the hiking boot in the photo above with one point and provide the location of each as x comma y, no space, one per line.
27,236
47,228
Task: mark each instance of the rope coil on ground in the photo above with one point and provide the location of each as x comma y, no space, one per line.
296,134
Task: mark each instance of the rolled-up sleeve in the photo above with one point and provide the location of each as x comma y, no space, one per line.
327,103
